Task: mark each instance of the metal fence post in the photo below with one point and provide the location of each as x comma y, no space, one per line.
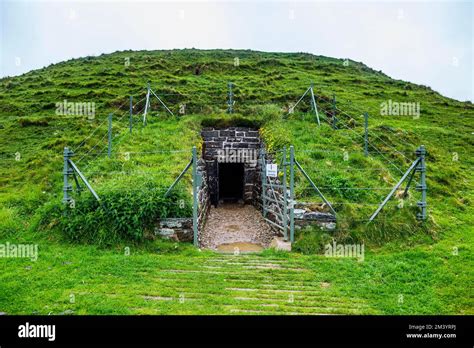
195,198
147,103
334,120
131,114
292,194
421,153
66,172
264,182
109,151
285,197
315,107
230,103
366,134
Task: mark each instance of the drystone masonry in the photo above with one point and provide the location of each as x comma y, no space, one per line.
204,202
310,214
232,145
177,229
239,145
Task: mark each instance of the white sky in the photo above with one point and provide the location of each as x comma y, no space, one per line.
425,42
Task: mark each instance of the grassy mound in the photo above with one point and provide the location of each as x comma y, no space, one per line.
428,265
193,84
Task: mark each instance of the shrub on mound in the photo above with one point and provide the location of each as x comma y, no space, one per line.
124,214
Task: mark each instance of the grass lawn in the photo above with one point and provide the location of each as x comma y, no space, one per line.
167,278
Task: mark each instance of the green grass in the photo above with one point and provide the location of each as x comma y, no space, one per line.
181,280
429,265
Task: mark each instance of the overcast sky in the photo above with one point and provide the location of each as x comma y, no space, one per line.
425,42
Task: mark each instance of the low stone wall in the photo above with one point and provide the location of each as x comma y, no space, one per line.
314,214
204,201
304,218
177,229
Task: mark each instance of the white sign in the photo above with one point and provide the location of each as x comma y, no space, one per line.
272,170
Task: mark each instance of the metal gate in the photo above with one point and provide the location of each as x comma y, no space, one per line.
277,195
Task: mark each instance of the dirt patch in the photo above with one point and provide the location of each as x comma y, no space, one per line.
234,225
239,248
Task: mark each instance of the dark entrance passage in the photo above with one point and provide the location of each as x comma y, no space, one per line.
231,182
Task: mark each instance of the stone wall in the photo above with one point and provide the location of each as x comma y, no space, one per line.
239,145
204,202
177,229
232,145
310,214
181,229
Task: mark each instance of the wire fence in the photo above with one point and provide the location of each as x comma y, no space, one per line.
349,116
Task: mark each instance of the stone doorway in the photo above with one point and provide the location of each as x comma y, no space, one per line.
231,182
233,173
231,156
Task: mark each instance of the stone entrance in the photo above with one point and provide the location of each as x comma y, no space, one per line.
231,157
230,176
231,182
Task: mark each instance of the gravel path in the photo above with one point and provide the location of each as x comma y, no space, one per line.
235,223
